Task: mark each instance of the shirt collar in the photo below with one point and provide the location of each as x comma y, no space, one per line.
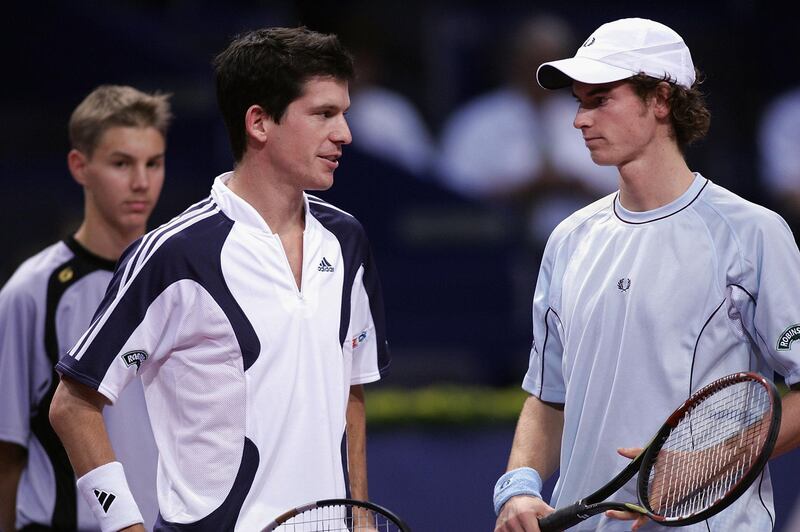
683,201
238,210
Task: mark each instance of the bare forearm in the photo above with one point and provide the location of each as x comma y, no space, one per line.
789,436
12,462
537,440
76,415
357,443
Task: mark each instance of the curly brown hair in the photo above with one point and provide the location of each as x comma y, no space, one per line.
688,112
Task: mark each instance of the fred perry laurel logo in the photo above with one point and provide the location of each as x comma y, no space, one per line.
325,266
789,335
105,499
134,358
623,284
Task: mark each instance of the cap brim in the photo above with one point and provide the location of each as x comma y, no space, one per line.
560,74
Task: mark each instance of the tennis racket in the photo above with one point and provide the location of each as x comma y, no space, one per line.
705,456
338,515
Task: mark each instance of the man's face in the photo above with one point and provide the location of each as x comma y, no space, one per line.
122,179
306,145
617,126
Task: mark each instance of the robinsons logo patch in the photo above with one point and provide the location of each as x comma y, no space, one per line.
134,358
789,335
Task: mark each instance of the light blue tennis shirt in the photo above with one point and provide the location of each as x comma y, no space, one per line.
633,311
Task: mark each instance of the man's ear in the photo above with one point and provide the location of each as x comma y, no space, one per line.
257,124
76,162
661,103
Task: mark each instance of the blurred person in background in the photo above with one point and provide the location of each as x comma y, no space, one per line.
386,122
515,149
516,146
779,151
118,138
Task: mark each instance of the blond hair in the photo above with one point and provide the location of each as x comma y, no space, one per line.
116,105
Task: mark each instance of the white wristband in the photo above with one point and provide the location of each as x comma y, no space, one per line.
106,491
520,481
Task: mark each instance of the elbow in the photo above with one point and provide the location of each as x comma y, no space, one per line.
59,409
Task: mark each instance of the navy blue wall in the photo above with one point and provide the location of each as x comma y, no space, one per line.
442,481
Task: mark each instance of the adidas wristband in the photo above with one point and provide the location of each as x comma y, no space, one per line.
106,491
520,481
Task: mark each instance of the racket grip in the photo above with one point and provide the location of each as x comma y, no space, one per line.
563,518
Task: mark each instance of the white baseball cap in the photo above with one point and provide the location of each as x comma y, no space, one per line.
621,49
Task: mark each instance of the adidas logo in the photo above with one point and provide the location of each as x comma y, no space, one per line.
105,499
324,265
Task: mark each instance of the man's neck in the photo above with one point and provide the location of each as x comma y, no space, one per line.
650,183
281,206
104,241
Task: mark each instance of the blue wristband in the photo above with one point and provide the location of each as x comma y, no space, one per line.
520,481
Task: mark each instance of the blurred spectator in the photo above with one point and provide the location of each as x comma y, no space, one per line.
779,149
516,145
384,122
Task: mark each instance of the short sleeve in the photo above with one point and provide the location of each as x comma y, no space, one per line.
774,282
366,337
544,378
131,329
17,338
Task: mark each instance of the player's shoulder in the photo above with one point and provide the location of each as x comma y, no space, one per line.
741,215
178,244
31,277
337,220
596,211
186,232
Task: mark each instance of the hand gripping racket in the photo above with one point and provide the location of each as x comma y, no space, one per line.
705,456
338,515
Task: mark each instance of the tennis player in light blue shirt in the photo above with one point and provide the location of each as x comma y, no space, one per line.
648,294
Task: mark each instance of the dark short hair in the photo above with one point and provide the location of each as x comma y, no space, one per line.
268,67
689,115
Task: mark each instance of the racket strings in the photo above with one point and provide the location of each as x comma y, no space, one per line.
338,518
710,450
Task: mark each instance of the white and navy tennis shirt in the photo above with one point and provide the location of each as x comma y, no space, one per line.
44,308
633,311
246,377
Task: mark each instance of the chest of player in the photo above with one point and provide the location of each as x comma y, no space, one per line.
261,278
643,280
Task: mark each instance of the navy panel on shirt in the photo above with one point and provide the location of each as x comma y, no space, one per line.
355,252
179,258
226,515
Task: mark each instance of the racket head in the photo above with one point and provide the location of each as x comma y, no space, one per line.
334,515
710,450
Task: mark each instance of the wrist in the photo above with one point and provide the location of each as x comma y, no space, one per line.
105,489
520,481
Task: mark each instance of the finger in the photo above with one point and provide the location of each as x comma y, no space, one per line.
640,521
509,525
625,516
630,452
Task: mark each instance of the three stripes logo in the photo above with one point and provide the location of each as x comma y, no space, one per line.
105,499
325,266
